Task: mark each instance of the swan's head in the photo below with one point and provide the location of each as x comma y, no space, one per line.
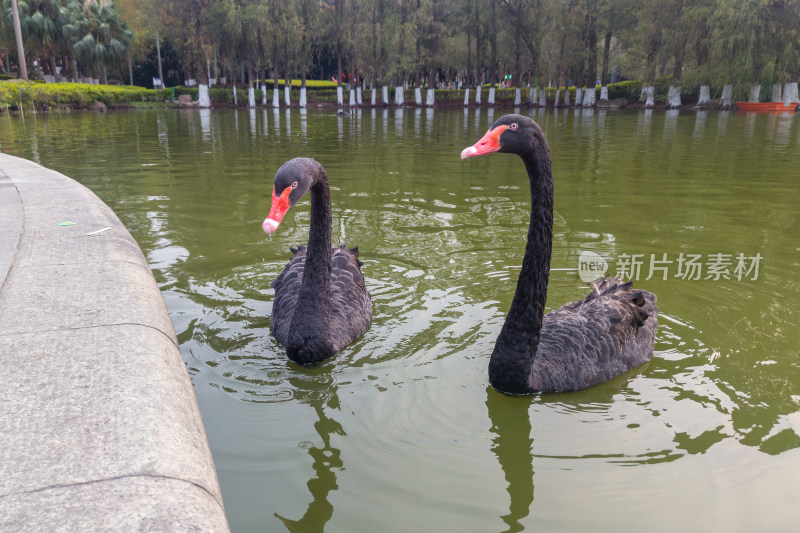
513,134
292,182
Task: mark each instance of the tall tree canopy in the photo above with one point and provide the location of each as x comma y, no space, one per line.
427,42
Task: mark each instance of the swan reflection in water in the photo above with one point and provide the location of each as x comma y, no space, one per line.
513,445
326,459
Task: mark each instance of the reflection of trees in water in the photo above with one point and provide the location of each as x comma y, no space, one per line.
326,459
513,446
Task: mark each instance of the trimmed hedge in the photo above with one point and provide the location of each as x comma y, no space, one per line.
16,92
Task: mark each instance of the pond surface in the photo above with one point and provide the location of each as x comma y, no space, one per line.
401,431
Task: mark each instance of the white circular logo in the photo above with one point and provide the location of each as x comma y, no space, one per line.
591,266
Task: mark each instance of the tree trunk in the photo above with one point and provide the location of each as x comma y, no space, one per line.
338,64
493,44
478,47
468,77
517,74
606,54
23,67
130,68
561,75
680,53
591,44
202,73
158,54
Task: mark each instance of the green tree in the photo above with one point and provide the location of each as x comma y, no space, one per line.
99,36
42,23
756,41
527,20
617,17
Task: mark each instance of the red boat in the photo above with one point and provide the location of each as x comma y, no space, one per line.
765,106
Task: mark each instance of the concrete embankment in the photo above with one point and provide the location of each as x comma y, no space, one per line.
99,425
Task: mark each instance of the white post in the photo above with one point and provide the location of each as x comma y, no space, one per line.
203,99
517,96
578,96
604,92
532,95
264,95
790,93
491,95
385,95
558,96
478,94
726,100
566,96
705,96
303,97
429,98
650,91
287,95
674,97
542,98
373,96
352,98
276,97
590,96
398,95
251,98
418,96
339,95
755,93
358,96
466,97
777,96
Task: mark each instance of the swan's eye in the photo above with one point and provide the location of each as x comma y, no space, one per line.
294,185
513,125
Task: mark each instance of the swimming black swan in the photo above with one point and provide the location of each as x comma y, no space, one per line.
321,301
583,343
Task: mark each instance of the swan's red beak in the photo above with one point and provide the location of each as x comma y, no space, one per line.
489,143
280,205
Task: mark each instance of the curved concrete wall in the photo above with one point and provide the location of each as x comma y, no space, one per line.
99,425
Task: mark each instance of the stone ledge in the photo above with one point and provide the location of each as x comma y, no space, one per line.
100,425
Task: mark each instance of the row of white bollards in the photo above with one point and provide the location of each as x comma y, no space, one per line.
787,93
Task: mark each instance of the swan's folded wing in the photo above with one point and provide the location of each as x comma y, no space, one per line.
595,339
287,288
351,305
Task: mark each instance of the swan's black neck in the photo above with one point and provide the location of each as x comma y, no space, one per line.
317,274
310,322
515,349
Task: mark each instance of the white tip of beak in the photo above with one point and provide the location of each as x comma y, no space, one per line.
467,152
269,226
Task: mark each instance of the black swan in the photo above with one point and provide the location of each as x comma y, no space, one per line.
583,343
321,301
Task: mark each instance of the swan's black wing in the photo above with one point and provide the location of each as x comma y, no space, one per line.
351,305
590,341
287,288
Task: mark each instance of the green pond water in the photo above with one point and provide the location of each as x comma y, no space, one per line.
401,431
